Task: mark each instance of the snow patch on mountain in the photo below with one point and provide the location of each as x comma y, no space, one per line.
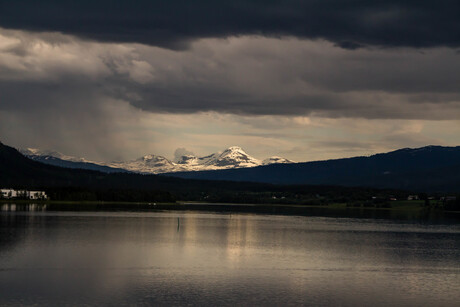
276,159
150,164
48,154
188,160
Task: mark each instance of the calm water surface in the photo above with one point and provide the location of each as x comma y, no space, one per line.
189,258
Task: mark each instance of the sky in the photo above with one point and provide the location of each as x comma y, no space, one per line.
305,80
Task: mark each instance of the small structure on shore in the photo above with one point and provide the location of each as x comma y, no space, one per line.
8,193
24,194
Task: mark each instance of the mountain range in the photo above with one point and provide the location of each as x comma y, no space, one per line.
60,183
232,157
426,169
430,168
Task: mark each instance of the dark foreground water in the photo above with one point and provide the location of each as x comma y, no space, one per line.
191,258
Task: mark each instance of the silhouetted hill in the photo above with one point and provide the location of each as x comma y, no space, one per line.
431,168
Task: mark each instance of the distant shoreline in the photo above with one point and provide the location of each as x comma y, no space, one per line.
412,205
404,211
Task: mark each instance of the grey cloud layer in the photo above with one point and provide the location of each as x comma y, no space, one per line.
240,75
175,23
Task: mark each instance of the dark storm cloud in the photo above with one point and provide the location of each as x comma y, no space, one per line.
350,24
243,75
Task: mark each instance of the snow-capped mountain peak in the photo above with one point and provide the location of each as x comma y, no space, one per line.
234,157
235,149
146,164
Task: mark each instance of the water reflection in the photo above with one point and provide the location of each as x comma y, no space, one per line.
23,207
167,258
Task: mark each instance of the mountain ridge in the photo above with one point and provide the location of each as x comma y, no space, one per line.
232,157
58,159
433,168
19,172
427,169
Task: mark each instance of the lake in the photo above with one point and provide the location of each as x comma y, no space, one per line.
56,258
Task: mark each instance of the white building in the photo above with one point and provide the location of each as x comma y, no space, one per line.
8,193
11,193
36,195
